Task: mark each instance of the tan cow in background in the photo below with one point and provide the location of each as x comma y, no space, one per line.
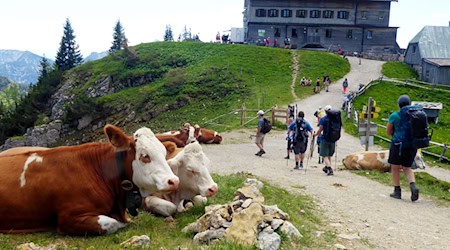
207,136
375,160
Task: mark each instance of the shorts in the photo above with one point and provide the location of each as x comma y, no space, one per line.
327,148
300,147
405,159
259,138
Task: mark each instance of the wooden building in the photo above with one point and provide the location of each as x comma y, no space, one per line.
429,54
350,25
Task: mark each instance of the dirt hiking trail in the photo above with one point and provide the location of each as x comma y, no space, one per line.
360,210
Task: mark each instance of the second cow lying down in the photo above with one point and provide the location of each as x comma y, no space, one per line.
375,160
191,165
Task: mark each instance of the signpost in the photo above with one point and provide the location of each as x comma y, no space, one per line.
366,129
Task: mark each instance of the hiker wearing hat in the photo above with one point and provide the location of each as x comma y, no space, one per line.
330,125
401,153
259,139
319,113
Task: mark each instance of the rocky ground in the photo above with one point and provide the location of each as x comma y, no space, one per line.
360,209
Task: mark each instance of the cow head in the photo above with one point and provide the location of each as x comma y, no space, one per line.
151,173
191,166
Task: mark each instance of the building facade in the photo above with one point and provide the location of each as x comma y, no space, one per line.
351,25
429,54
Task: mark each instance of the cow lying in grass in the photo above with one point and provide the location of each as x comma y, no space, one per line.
187,134
81,189
191,165
375,160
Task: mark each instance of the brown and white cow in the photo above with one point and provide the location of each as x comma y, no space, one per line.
187,134
77,189
207,136
21,150
375,160
191,165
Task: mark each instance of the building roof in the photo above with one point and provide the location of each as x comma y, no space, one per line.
439,62
434,42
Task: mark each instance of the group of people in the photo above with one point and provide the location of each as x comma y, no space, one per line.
401,153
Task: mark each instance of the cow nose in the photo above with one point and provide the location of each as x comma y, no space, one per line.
212,191
173,184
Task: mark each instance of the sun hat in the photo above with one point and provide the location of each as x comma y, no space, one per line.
328,107
261,112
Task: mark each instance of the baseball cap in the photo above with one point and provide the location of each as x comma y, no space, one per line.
403,100
328,107
260,112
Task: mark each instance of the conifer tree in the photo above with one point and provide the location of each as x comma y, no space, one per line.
44,68
68,55
118,38
168,35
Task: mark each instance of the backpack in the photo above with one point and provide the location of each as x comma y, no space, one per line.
414,127
300,130
333,126
266,126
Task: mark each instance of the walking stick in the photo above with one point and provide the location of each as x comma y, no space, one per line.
311,149
335,158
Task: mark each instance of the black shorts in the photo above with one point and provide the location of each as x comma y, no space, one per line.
405,159
300,147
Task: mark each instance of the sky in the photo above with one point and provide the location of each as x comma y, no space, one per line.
38,25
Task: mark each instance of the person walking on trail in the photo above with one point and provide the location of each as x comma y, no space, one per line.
401,154
301,131
259,139
289,133
345,85
317,87
329,126
319,113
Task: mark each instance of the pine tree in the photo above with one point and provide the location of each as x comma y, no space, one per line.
118,38
68,55
168,35
44,68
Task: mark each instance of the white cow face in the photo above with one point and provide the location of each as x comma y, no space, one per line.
191,166
191,132
151,173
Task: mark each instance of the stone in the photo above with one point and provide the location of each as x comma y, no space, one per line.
339,246
84,122
142,241
290,230
254,182
275,212
250,192
276,223
269,241
246,203
209,235
243,229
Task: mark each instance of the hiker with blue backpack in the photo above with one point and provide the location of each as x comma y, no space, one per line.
301,130
330,131
409,130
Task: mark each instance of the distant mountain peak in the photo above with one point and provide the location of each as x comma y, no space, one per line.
20,66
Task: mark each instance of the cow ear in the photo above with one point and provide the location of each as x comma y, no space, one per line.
117,137
174,164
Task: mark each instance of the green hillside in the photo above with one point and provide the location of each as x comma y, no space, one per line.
194,82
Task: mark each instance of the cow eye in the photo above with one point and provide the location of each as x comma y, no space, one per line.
145,158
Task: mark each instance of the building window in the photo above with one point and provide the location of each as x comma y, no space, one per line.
381,15
260,12
277,32
273,13
301,13
286,13
294,33
342,15
314,14
262,33
328,14
369,34
350,34
328,33
363,14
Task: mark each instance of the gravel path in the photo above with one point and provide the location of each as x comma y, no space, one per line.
360,210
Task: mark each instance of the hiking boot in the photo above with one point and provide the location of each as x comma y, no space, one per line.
325,169
414,194
296,167
330,171
262,152
259,153
397,194
301,165
287,157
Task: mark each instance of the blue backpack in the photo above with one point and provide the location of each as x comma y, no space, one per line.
413,127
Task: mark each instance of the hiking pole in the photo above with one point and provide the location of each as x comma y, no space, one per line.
335,157
311,149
